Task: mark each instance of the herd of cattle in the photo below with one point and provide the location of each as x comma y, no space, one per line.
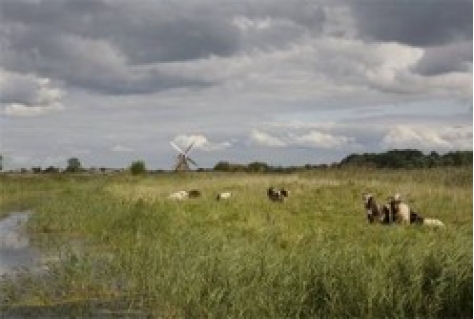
276,195
394,212
272,193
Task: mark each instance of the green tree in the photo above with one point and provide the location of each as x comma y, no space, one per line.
51,169
36,169
73,165
222,166
258,167
409,159
137,167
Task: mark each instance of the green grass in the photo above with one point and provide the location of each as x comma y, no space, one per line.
313,256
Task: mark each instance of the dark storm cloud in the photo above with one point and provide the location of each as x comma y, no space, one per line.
178,40
100,46
114,47
417,23
444,59
63,13
84,62
149,31
119,47
145,33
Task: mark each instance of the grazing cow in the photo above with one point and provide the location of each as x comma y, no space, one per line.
405,215
400,210
224,195
277,195
193,193
376,213
181,195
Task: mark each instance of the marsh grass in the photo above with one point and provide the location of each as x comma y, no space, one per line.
313,256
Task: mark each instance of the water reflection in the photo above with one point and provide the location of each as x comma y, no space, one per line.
15,250
16,254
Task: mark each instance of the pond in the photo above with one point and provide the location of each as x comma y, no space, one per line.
16,253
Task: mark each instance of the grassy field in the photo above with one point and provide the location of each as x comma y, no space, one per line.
131,251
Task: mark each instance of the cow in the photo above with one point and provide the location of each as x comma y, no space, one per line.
403,214
377,213
224,195
277,195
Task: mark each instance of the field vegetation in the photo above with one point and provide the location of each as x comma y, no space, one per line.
124,248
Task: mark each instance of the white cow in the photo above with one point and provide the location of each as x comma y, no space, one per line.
224,195
405,215
181,195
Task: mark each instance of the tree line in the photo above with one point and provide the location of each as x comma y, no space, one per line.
394,159
408,159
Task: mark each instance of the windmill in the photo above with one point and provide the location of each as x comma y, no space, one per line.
183,158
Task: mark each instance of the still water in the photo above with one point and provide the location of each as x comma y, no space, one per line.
15,250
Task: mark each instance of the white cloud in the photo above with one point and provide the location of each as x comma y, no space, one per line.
21,110
428,138
121,149
246,24
321,67
28,95
313,139
199,142
323,140
265,139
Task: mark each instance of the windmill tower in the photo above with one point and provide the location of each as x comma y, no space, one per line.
183,158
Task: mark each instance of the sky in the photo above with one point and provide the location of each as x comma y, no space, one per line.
284,82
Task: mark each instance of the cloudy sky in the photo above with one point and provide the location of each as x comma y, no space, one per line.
285,82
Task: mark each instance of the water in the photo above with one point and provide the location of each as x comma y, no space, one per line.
15,250
17,255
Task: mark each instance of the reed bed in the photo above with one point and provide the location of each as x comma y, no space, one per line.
313,256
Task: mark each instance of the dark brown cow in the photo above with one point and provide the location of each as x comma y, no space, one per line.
277,195
194,193
377,213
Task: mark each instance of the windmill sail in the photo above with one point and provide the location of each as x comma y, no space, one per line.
176,147
191,161
183,158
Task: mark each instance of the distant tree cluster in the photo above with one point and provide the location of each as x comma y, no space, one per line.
73,165
408,159
252,167
390,159
138,167
261,167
